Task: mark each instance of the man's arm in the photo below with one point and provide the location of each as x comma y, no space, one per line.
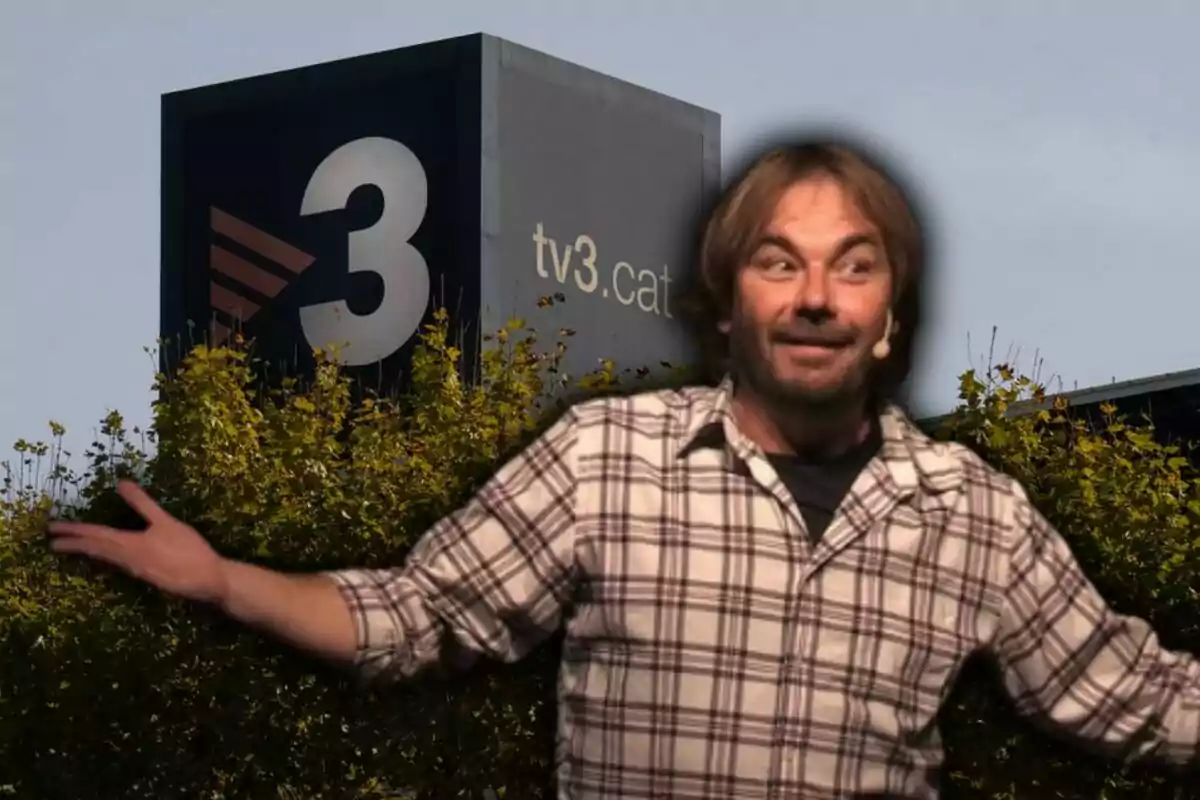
306,611
170,555
495,575
1067,657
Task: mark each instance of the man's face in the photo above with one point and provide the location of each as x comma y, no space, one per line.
812,300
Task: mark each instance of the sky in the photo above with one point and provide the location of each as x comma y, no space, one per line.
1057,145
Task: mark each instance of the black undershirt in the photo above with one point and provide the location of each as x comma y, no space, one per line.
818,484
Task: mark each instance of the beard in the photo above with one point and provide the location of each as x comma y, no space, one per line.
752,364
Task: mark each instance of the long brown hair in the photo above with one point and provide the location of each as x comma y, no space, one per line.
735,226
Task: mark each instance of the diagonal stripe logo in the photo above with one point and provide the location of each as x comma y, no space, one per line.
232,304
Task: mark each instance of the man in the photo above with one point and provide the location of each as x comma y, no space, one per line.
767,587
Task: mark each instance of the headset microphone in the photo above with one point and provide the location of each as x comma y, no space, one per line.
883,348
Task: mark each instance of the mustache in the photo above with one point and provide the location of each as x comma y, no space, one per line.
812,334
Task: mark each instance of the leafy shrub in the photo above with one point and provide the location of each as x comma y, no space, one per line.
109,690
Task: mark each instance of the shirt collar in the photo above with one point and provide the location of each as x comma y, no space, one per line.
911,459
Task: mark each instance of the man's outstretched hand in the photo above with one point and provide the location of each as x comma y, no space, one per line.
168,555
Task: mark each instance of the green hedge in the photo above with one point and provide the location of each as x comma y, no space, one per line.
108,690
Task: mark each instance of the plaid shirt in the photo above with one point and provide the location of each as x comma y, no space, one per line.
713,652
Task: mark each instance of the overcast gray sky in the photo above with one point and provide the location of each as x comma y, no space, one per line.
1059,144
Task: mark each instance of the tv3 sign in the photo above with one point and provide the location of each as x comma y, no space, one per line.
384,249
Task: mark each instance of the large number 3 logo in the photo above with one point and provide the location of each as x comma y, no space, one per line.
383,248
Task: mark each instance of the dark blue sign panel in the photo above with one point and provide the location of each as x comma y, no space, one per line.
320,207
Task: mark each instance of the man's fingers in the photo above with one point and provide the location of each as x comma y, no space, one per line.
82,530
141,502
98,544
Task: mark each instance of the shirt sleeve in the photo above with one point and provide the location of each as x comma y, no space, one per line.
493,576
1067,657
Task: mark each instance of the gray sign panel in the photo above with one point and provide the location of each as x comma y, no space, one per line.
593,190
